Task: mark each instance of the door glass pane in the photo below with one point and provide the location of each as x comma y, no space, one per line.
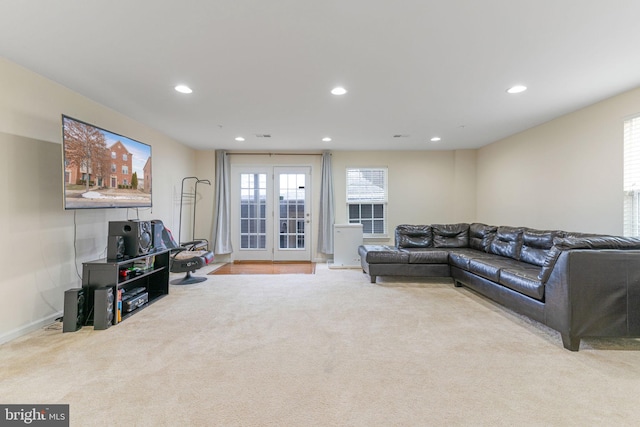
253,199
292,206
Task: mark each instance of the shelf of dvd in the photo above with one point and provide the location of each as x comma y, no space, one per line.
117,289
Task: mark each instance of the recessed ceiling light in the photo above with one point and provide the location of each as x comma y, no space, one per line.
183,89
516,89
338,90
435,139
326,139
239,138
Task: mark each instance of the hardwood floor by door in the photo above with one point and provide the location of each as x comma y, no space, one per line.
245,267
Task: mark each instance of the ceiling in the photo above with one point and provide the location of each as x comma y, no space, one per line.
415,68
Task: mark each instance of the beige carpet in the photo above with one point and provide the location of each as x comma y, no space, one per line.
328,349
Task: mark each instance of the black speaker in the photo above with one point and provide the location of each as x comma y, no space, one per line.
74,309
136,234
103,307
115,248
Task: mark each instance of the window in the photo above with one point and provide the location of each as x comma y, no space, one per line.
367,199
125,170
631,188
113,154
253,211
124,157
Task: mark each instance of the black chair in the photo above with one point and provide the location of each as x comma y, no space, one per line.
185,258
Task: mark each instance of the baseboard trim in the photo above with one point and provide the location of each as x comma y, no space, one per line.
333,266
26,329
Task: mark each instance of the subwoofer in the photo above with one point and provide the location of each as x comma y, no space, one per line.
74,309
136,234
103,307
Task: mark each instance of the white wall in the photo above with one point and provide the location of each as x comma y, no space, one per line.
44,245
205,199
425,187
565,174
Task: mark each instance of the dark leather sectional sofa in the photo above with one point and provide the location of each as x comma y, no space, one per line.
582,285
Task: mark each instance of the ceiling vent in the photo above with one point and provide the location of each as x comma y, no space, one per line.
399,135
263,135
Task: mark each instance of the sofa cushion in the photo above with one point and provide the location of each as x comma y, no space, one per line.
460,257
490,267
414,236
481,235
523,280
427,256
383,254
536,245
507,242
450,235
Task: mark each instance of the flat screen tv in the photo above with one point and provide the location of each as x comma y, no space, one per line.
103,169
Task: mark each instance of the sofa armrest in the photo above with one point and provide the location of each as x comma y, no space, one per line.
561,244
593,293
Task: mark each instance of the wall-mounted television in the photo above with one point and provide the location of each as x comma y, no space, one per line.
103,169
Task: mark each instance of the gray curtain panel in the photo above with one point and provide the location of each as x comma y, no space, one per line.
222,217
327,208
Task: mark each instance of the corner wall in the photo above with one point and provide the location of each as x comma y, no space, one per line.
425,187
44,246
565,174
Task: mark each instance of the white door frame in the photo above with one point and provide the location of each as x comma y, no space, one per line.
259,240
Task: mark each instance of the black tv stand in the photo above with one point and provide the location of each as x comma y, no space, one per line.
149,271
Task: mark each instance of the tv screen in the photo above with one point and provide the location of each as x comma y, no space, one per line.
103,169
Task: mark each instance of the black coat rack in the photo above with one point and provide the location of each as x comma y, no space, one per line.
190,196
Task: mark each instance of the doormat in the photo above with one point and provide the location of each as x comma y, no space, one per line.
261,267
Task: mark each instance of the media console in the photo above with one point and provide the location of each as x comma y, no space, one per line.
117,289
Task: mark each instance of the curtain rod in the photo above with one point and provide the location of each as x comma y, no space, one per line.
246,153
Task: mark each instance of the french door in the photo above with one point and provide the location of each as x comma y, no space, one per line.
270,213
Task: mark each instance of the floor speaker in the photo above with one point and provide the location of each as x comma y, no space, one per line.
136,234
74,309
103,307
115,248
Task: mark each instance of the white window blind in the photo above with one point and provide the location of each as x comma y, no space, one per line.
632,177
366,185
367,199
